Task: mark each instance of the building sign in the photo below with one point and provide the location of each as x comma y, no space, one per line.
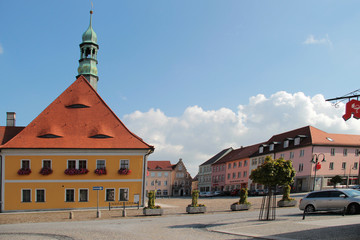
352,109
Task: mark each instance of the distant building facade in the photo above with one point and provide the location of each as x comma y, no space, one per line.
168,179
159,177
206,171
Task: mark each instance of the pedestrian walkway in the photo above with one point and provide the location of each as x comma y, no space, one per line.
323,227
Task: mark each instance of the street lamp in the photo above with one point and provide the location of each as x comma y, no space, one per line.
315,159
347,180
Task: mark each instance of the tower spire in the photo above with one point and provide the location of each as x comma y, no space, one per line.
88,55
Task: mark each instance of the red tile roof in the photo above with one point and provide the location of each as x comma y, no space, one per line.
78,118
159,165
240,153
7,133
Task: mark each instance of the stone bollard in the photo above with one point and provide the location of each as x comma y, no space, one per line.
98,214
71,215
124,213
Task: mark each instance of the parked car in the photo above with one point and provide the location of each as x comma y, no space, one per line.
357,187
332,200
219,193
235,192
202,194
257,192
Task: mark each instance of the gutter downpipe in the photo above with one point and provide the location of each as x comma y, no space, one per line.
150,151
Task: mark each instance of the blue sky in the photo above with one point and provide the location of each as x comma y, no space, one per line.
186,62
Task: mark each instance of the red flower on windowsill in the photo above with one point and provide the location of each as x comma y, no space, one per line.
73,171
124,171
100,171
24,171
46,171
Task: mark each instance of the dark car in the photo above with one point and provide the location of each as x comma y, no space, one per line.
235,192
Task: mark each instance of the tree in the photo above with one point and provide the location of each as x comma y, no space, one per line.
271,173
275,172
335,180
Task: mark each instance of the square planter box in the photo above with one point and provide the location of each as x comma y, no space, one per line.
291,203
240,207
153,212
195,209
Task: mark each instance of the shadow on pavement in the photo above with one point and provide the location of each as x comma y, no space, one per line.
348,232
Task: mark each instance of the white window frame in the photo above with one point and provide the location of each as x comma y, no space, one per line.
96,167
357,152
77,163
22,195
297,141
87,195
21,163
331,166
261,149
106,194
127,197
291,155
301,167
302,152
332,151
124,160
36,195
42,163
286,143
355,166
271,147
343,165
74,194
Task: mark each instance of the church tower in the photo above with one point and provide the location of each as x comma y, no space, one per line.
88,56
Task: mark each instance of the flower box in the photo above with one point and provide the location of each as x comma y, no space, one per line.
100,171
124,171
46,171
291,203
73,171
240,207
192,210
24,171
153,211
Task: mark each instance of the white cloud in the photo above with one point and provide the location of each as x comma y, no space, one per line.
197,134
312,40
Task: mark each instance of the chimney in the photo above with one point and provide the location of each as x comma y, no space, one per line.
10,119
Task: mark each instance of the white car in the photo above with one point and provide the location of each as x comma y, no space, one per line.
332,199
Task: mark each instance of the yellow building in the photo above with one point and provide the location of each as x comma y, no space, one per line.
77,143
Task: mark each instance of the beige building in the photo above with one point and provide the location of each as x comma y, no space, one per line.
168,179
181,180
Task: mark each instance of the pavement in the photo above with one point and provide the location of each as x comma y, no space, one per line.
319,226
218,223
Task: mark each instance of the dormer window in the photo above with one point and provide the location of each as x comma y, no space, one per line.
286,143
49,136
100,136
261,149
271,148
77,106
297,141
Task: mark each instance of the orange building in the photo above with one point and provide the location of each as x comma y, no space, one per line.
77,143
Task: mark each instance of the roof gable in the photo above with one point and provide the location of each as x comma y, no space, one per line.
78,118
217,157
159,165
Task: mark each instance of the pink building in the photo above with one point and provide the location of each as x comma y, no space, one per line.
313,152
232,171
